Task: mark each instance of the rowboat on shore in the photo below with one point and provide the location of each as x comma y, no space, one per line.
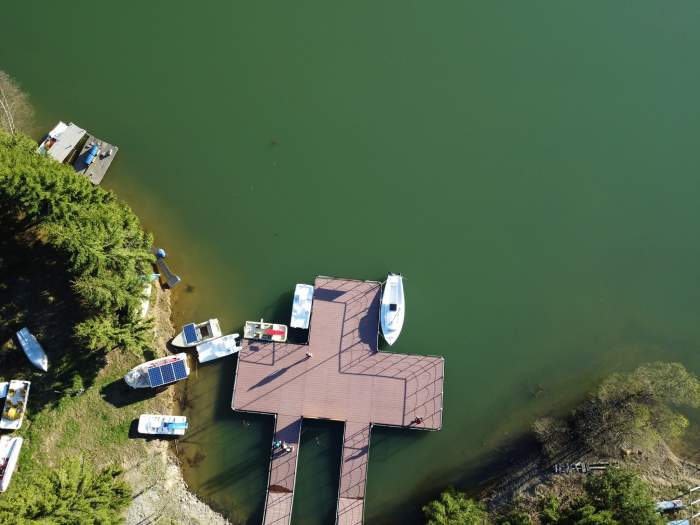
393,308
32,349
9,454
159,372
194,334
265,331
164,425
218,348
15,405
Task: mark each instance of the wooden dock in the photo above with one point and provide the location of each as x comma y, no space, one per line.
339,375
97,169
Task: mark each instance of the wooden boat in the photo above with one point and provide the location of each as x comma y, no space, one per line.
163,425
393,308
158,372
265,331
9,454
194,334
15,405
33,350
301,306
218,348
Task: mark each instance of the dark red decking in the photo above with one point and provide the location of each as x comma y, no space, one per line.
345,379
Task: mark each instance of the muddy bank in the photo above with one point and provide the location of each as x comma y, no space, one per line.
160,492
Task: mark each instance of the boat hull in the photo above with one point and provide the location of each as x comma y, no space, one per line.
32,349
218,348
154,424
211,327
393,308
137,377
9,454
301,306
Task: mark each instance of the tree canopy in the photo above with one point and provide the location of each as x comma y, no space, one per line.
454,508
106,250
73,493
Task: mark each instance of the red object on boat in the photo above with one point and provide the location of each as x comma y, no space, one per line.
270,331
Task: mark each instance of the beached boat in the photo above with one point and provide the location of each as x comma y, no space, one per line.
218,348
162,425
9,454
15,405
393,308
301,306
265,331
33,349
158,372
194,334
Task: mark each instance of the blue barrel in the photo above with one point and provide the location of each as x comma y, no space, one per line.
91,155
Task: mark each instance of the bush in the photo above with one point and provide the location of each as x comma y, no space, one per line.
71,494
625,495
454,508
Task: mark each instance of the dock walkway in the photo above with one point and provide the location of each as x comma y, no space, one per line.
340,375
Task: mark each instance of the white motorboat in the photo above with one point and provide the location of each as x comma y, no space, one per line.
265,331
158,372
15,405
33,349
301,307
393,308
194,334
9,454
218,348
162,425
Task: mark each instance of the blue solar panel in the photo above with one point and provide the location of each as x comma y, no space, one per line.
179,369
155,377
168,374
190,332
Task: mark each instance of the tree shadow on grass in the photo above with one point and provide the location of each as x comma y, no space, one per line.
35,291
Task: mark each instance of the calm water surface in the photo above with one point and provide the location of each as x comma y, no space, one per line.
532,168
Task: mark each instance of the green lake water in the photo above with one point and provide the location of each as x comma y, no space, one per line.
531,167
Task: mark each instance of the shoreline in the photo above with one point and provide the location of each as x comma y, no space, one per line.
160,490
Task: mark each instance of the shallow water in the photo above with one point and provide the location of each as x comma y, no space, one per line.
531,168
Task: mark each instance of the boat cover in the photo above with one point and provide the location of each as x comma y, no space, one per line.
3,389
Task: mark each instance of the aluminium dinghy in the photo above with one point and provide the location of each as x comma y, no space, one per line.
33,350
393,308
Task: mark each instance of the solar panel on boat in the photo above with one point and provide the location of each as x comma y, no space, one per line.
179,369
154,376
190,333
168,374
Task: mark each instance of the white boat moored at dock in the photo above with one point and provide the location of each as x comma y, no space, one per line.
194,334
158,372
265,331
9,454
33,349
15,405
218,348
393,308
301,307
162,425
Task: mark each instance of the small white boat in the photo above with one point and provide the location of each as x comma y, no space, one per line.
265,331
217,348
301,307
33,349
158,372
162,425
194,334
393,308
9,454
4,385
15,405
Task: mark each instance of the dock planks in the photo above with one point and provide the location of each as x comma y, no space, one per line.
345,379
